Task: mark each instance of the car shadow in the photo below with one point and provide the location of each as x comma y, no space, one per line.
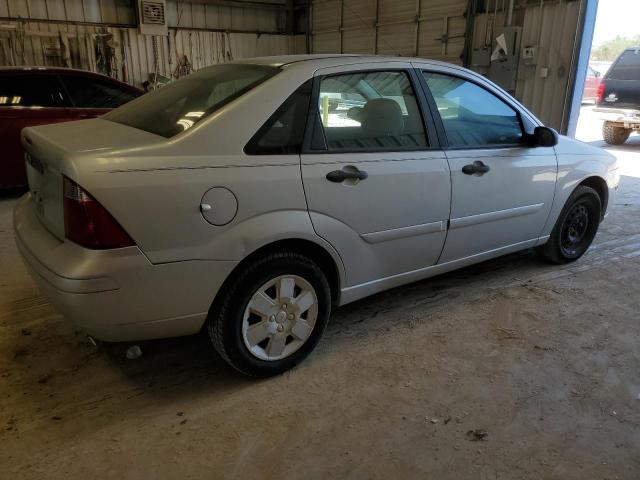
192,360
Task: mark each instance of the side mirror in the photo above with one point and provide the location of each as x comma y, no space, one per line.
543,137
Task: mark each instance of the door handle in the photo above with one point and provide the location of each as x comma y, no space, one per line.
476,167
338,176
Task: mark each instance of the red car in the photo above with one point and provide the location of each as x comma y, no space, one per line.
591,84
38,95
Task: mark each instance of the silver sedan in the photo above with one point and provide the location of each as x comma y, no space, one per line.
249,198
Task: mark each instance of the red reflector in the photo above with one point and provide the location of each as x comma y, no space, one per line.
87,223
600,94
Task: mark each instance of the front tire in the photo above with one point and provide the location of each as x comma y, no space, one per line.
271,315
613,134
575,228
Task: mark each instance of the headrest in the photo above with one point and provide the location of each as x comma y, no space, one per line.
382,117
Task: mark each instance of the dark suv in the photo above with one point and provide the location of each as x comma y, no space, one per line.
618,99
32,96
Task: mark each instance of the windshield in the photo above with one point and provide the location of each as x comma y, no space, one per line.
175,108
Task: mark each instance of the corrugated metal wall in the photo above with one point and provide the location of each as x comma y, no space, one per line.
552,27
425,28
436,29
67,31
179,13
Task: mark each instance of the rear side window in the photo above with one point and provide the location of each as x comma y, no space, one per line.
31,90
284,131
472,116
370,111
627,67
95,93
175,108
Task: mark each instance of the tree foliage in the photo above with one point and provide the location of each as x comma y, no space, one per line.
609,50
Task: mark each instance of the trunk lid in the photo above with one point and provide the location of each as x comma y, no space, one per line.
65,149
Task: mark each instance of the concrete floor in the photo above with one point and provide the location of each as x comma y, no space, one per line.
543,359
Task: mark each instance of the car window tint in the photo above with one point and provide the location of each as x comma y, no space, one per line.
178,106
370,111
96,93
31,90
627,67
284,131
473,116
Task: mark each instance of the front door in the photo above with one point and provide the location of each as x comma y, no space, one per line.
502,190
377,187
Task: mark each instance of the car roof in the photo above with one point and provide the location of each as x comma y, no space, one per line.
54,70
332,59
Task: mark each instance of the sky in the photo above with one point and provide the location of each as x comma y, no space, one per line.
617,17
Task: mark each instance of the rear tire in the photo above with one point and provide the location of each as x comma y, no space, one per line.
575,228
615,135
271,315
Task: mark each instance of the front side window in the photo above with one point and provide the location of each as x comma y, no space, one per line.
175,108
370,111
472,116
31,90
96,93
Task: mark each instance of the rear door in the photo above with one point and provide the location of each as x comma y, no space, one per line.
622,81
376,183
502,190
27,98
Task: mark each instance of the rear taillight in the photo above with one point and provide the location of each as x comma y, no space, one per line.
600,94
87,223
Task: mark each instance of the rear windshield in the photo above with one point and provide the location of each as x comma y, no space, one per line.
181,104
627,67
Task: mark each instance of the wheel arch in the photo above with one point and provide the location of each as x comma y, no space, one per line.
600,186
316,252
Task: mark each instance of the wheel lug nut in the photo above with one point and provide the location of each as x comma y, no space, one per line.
291,316
284,306
280,328
272,318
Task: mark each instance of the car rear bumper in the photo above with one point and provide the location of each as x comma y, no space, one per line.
627,118
117,295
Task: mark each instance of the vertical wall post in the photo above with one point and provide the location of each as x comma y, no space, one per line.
341,26
417,29
578,75
308,23
375,28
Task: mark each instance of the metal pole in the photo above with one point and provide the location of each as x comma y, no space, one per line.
417,29
341,25
375,28
307,33
578,73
